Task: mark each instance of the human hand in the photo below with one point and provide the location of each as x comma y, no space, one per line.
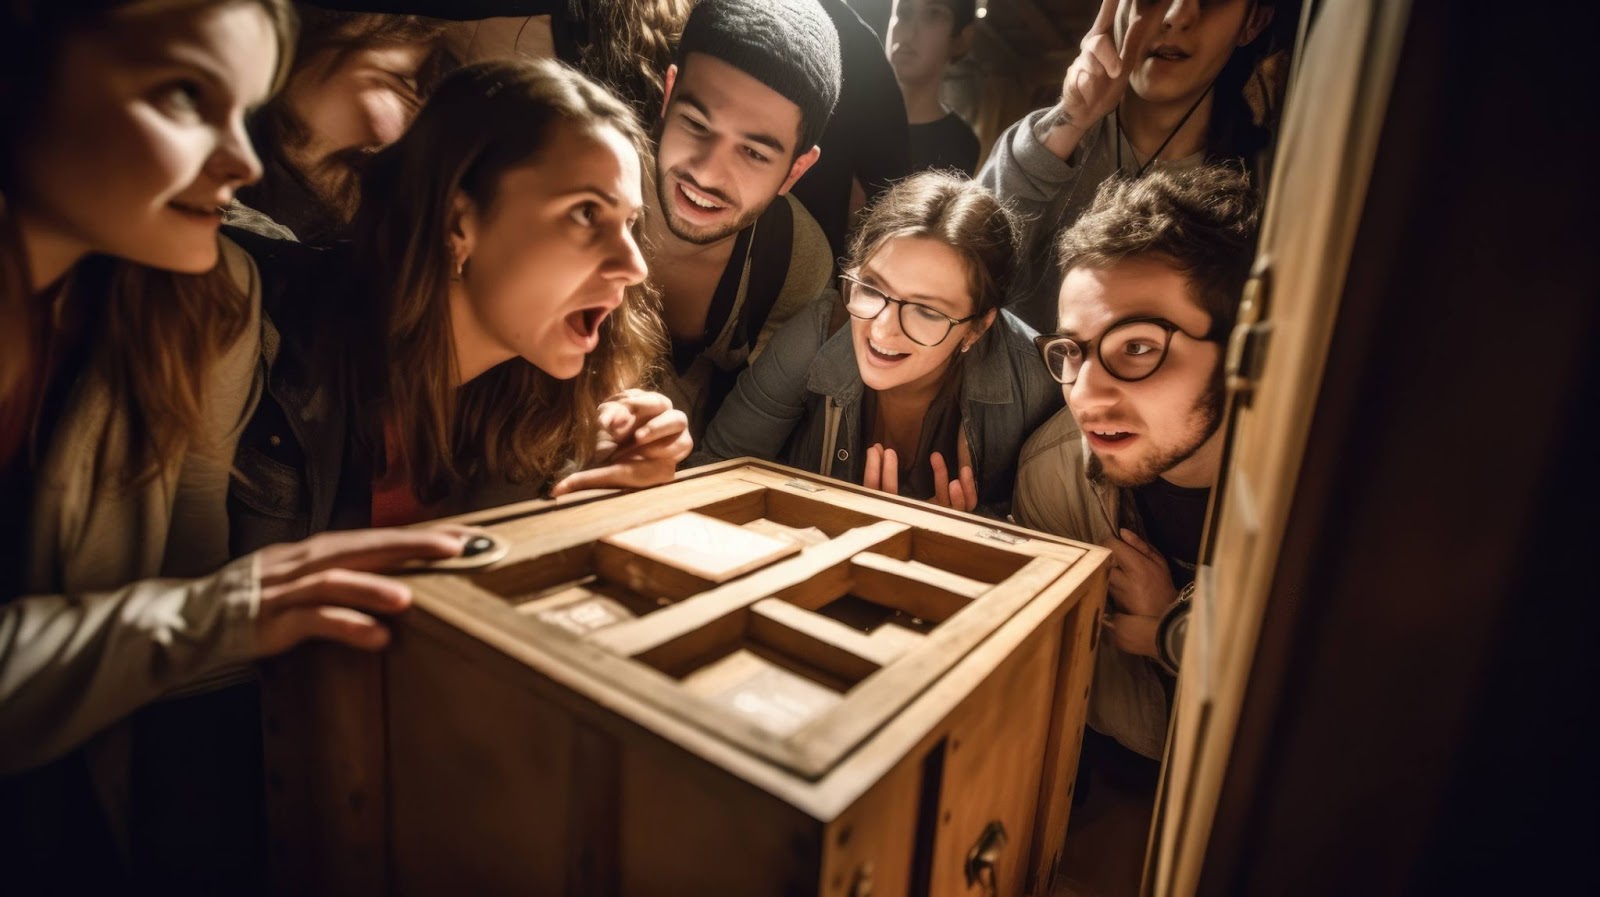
883,470
1141,582
1097,79
642,439
327,587
1133,633
962,493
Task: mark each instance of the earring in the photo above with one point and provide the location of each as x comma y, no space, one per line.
965,347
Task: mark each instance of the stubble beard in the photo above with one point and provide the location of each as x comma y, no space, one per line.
687,232
1205,417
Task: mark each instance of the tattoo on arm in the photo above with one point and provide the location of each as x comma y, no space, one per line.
1056,118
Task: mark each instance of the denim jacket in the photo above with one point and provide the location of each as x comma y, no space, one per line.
800,403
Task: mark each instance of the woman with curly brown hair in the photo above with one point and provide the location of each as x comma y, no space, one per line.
483,338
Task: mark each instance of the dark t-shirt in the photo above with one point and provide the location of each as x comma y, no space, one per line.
1174,518
945,143
865,139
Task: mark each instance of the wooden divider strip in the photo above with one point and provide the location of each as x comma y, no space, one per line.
792,575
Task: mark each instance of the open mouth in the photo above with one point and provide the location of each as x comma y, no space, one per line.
884,355
1169,53
699,200
1108,438
584,325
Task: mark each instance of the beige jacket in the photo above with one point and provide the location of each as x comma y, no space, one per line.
1054,494
95,636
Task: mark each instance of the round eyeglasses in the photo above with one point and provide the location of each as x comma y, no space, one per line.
922,324
1129,350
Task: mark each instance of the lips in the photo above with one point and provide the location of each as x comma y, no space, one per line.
1168,53
209,212
698,201
583,325
884,356
1108,437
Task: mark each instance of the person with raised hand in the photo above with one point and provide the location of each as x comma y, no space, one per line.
1156,84
130,339
931,389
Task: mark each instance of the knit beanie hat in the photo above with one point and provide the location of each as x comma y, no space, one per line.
789,45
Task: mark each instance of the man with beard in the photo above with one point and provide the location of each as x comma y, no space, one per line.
1154,271
733,255
358,81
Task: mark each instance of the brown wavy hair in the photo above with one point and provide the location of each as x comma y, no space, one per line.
1200,220
167,327
514,422
959,213
628,46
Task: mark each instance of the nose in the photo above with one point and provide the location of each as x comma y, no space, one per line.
1181,15
627,263
887,323
1093,389
234,161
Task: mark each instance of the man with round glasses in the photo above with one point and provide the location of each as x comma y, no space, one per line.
1153,274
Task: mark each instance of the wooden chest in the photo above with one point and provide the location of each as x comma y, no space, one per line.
750,681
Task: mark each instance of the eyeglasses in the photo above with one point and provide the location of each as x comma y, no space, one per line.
1129,350
922,324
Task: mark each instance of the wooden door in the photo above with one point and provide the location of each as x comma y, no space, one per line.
1333,117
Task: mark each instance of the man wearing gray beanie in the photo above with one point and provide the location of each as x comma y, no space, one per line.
733,254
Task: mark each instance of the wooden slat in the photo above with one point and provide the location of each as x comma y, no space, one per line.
915,588
873,701
684,554
821,642
769,616
682,619
1079,641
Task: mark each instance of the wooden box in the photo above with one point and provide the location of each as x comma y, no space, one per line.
750,681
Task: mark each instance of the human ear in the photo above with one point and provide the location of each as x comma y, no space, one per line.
979,328
666,92
461,231
1258,20
800,167
961,42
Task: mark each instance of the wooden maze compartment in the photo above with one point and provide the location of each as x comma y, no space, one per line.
749,681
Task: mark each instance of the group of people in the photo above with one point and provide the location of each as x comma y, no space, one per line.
272,276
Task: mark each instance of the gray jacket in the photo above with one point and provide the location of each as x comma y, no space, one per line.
1048,194
800,403
1055,495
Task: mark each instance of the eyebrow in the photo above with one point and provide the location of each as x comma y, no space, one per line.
611,199
869,271
766,140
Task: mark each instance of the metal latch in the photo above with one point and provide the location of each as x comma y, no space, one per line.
983,860
1247,345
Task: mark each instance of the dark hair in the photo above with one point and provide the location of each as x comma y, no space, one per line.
790,46
960,213
1234,131
1201,221
515,421
167,327
327,39
962,13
